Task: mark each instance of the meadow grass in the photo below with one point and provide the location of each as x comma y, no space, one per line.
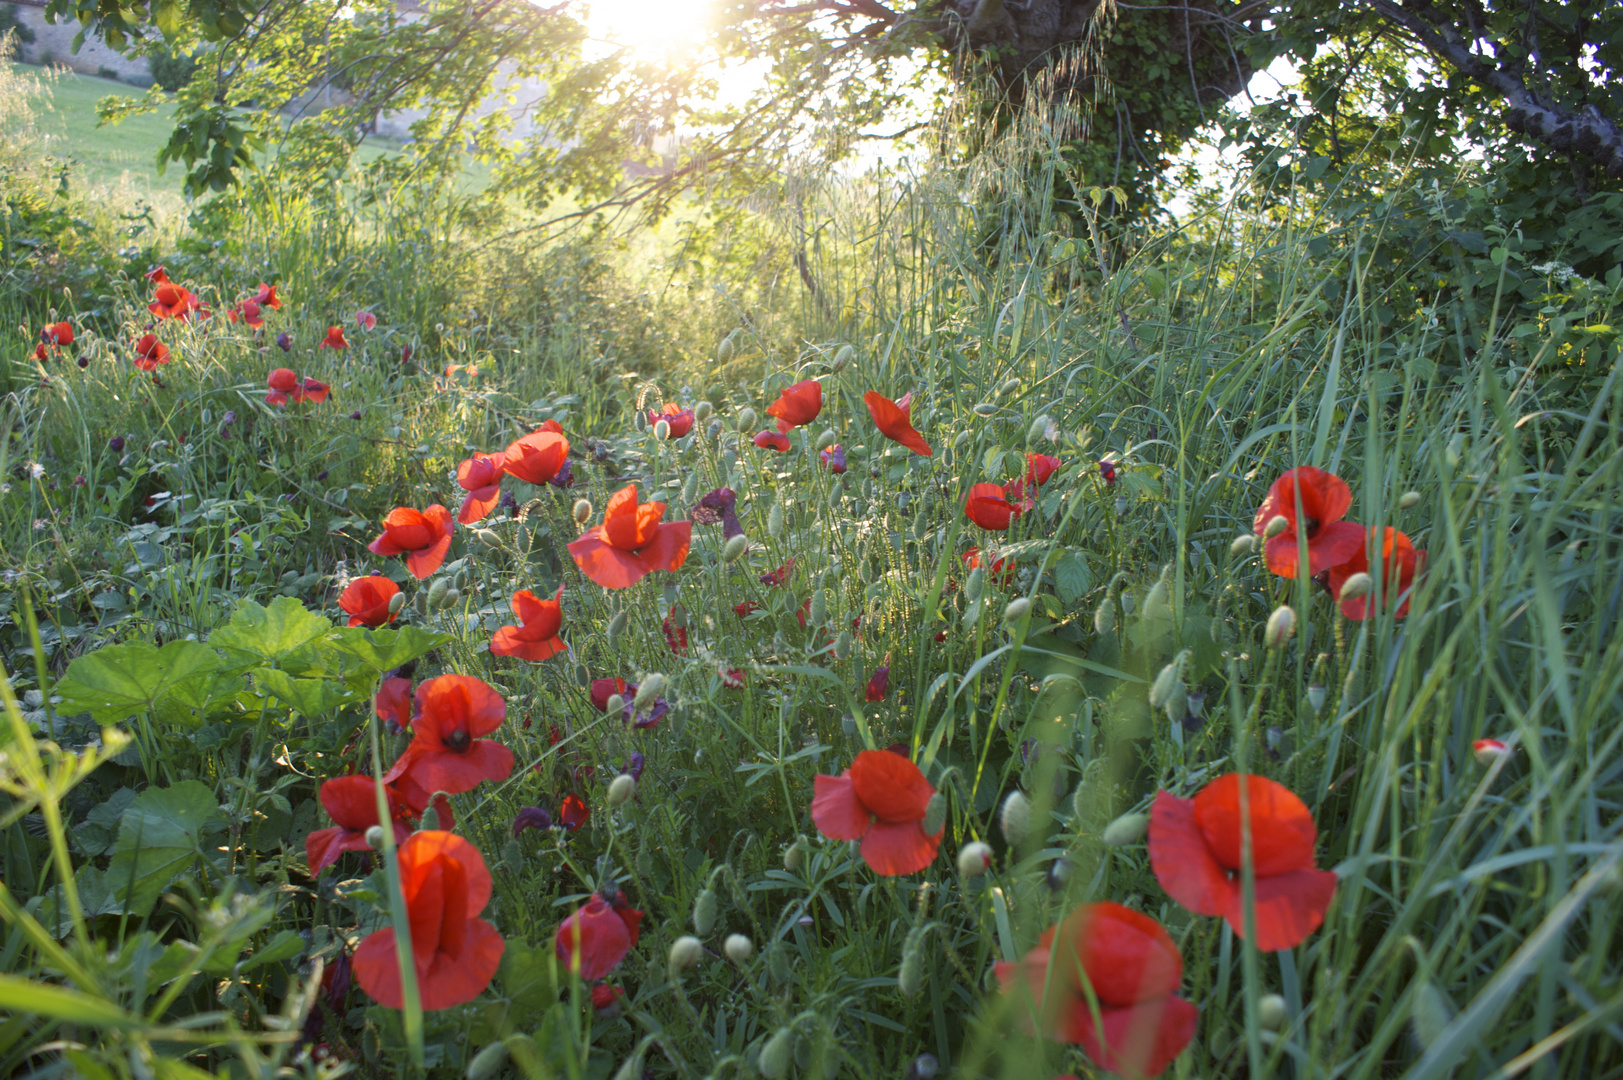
1473,930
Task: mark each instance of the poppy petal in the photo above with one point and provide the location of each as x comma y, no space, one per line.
323,846
426,561
1182,862
668,549
454,773
902,848
835,809
606,564
1139,1040
453,979
1289,907
478,503
890,786
1282,828
377,969
507,642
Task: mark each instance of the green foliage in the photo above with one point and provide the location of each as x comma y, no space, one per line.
172,71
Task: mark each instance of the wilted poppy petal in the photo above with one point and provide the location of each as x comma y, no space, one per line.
901,848
1182,862
835,809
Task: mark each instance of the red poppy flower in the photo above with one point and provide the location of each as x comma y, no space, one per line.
247,312
1041,467
150,352
878,683
880,800
1195,852
606,1000
573,811
1400,562
780,575
773,440
679,419
676,637
745,607
1107,472
282,382
334,339
60,333
732,678
158,276
446,753
394,702
988,507
266,297
481,477
311,390
422,536
538,637
895,420
171,301
593,940
1133,968
40,354
366,320
798,404
366,601
536,458
603,689
446,884
1325,499
833,459
972,560
351,801
631,542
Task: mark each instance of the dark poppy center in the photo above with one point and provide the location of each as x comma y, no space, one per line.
457,740
1312,527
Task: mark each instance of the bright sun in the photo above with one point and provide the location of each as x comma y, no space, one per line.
653,29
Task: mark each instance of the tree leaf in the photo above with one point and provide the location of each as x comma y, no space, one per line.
158,840
259,634
121,681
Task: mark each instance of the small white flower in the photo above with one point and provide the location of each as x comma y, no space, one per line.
36,470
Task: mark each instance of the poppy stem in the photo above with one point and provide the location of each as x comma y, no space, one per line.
411,1012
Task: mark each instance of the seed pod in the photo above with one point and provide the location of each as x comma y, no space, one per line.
975,585
1015,821
738,948
686,951
662,430
1156,604
1409,500
985,408
374,837
974,858
704,912
701,413
935,814
818,615
582,511
774,521
396,602
617,625
910,976
1016,609
1104,617
843,356
1430,1013
1315,697
513,856
1281,625
735,549
436,593
777,964
776,1054
793,856
622,789
615,706
746,418
1127,829
652,686
1271,1013
1356,586
1164,686
1243,545
1038,430
725,350
842,645
1276,525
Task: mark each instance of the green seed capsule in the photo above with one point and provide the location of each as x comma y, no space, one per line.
842,645
436,593
774,521
910,975
617,625
704,913
776,1054
818,615
975,585
735,549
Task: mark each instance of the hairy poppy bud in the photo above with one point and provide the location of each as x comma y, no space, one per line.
450,598
617,625
431,817
615,706
1038,430
746,419
1104,617
686,951
842,645
1243,545
374,837
1488,751
1454,452
1127,829
1016,609
371,1043
1432,1012
818,614
640,420
651,688
436,593
704,912
630,1069
827,439
583,511
1165,686
735,549
777,1054
1271,1012
1355,586
910,976
725,350
1121,505
935,814
1315,697
662,430
1352,687
974,858
1281,625
738,948
774,521
702,411
1015,821
975,585
679,617
487,538
793,856
985,408
396,602
1408,500
843,356
622,789
1276,525
848,723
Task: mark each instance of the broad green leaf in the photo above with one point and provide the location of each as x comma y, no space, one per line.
528,977
307,697
100,827
95,898
1071,577
59,1003
121,681
158,839
385,650
268,634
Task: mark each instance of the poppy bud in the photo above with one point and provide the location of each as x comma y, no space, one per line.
615,705
935,814
1281,625
371,1043
725,350
1352,687
1243,545
622,789
818,614
1016,609
679,617
974,858
1276,525
617,625
738,948
702,411
910,976
1121,505
1104,618
925,1067
713,431
1355,586
1081,801
827,439
793,857
1488,751
436,593
704,912
776,1054
1408,500
662,430
974,586
746,419
686,951
374,837
487,538
774,521
1038,430
583,511
640,420
1271,1012
431,817
735,549
450,598
1127,829
1015,821
651,688
1155,601
843,356
842,649
1454,451
1164,686
396,602
1431,1013
985,408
